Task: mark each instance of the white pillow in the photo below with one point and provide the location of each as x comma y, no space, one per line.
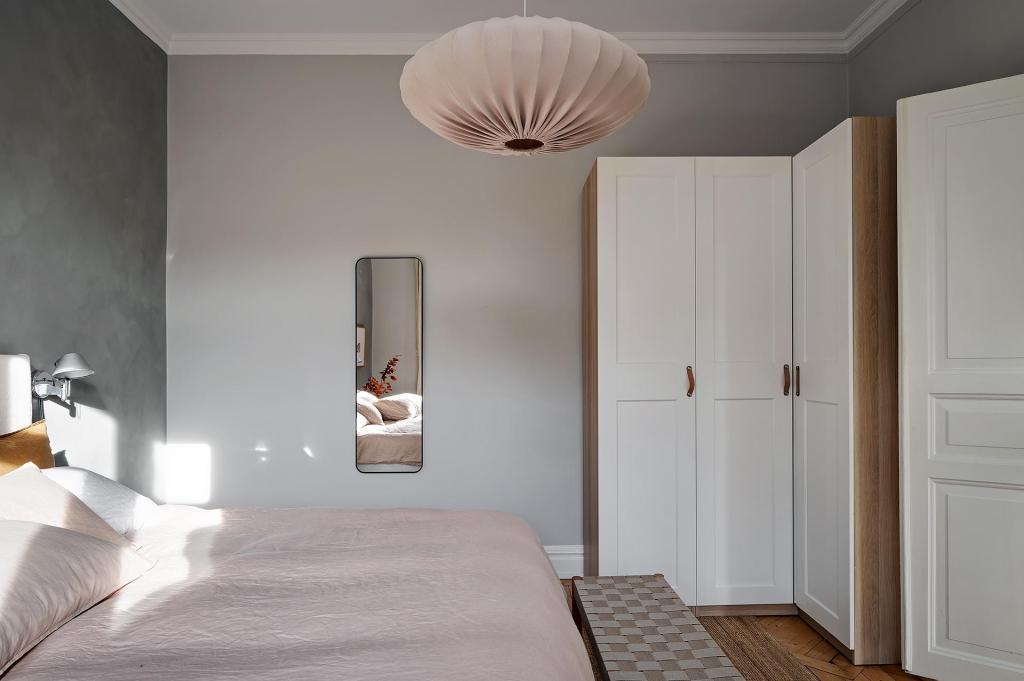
364,405
48,575
401,406
361,422
122,508
26,494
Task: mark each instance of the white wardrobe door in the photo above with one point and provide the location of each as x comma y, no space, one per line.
822,329
961,193
744,422
645,296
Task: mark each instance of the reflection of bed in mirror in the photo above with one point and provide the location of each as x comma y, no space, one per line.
395,443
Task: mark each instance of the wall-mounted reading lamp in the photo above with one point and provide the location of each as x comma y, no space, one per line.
58,382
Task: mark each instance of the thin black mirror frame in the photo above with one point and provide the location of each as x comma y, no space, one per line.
423,354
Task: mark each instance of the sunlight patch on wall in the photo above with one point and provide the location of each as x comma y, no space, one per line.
182,473
261,450
88,439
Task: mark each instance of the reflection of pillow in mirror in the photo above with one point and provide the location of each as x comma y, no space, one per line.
402,406
364,405
361,422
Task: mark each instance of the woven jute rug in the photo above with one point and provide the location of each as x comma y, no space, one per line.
756,655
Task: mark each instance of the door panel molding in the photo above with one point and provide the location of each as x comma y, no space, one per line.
961,160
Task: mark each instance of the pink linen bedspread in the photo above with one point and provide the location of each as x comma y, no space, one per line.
325,595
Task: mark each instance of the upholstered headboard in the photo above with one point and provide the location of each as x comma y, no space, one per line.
21,440
15,393
28,444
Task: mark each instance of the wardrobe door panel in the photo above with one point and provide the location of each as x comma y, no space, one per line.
645,331
648,244
822,325
738,500
648,433
744,339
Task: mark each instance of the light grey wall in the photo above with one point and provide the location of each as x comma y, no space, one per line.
394,320
83,218
285,170
937,45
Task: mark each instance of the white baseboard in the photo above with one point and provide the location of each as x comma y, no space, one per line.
567,560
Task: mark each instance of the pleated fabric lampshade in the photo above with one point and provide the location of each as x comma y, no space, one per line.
525,85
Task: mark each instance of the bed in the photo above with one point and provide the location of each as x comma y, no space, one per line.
324,594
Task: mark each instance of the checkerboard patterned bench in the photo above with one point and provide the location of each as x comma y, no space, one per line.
642,631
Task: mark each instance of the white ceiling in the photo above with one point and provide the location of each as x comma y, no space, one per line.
401,26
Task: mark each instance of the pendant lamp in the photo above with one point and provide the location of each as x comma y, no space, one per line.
525,85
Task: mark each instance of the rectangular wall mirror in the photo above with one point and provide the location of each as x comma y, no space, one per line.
389,365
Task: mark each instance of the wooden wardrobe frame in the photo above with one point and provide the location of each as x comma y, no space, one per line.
876,506
590,514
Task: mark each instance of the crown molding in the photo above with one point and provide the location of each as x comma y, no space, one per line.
147,22
299,43
735,43
873,18
649,43
408,43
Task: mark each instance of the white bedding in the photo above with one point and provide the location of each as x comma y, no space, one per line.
325,595
394,442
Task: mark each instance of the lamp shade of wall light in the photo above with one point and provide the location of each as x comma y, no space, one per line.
71,365
525,85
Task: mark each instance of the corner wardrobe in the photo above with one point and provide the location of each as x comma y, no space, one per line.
740,381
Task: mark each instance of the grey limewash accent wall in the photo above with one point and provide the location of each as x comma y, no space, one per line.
285,170
937,45
83,189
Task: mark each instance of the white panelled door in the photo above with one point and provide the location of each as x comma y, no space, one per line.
961,168
645,332
822,328
744,339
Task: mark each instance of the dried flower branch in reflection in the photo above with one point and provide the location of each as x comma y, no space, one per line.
385,384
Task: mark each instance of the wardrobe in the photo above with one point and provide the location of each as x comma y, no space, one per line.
739,351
